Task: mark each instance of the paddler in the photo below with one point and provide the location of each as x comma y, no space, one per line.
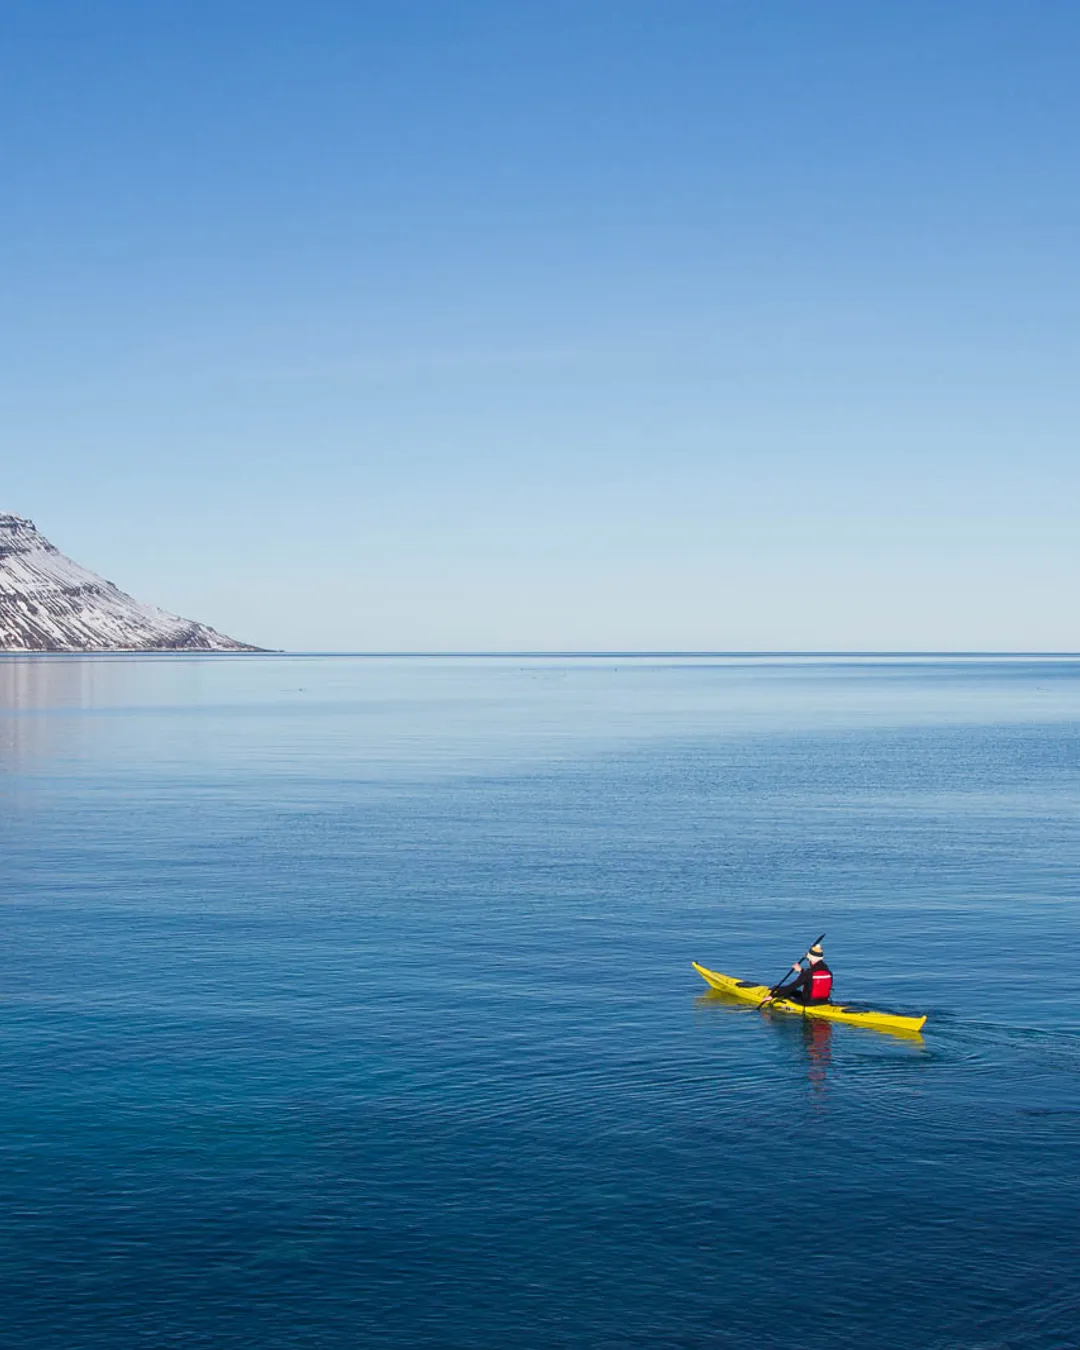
812,985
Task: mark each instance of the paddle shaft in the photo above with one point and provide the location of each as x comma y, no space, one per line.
801,958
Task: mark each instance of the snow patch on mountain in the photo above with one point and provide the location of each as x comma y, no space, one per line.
50,604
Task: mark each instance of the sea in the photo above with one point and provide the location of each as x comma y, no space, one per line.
348,1002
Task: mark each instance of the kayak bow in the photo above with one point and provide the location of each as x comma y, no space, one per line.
834,1012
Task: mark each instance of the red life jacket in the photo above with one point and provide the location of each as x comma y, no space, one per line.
820,982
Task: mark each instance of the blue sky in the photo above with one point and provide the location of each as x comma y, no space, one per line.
613,324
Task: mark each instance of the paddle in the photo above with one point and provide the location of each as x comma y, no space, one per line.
770,995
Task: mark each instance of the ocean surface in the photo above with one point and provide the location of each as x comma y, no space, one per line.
347,1002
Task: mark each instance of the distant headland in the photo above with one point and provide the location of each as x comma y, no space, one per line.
50,604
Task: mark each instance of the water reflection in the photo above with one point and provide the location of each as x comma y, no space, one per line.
817,1040
810,1038
45,700
813,1037
810,1035
62,682
38,694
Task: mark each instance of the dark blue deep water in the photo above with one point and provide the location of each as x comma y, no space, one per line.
348,1002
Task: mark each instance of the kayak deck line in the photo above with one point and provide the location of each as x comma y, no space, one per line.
747,992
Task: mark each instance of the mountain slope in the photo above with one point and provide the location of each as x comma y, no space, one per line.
49,603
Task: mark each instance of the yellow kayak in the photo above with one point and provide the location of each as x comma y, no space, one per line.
835,1012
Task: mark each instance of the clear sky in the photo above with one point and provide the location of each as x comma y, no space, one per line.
457,324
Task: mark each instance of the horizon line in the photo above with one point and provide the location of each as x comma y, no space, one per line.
563,653
665,651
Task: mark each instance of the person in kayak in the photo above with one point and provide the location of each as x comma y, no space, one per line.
812,985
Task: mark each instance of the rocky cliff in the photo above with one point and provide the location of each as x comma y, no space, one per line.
49,603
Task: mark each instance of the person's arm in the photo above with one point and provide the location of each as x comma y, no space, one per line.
784,988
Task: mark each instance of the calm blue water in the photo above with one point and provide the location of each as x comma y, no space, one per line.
348,1003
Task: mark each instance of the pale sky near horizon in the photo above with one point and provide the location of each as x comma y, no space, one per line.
504,324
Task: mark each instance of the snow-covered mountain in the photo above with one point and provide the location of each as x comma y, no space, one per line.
49,603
